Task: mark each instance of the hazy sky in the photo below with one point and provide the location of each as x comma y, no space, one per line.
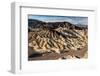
72,19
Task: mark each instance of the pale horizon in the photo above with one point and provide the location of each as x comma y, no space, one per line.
71,19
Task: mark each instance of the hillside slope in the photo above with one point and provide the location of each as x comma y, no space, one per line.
56,37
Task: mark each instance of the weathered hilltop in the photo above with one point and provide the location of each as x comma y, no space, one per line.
56,37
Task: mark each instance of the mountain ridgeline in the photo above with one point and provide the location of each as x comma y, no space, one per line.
56,36
37,24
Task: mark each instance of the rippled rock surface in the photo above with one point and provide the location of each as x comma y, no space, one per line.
57,38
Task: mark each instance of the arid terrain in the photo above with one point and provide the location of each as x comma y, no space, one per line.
56,40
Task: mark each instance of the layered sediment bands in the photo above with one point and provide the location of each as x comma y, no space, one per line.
57,37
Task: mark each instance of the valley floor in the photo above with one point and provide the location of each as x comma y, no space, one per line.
70,54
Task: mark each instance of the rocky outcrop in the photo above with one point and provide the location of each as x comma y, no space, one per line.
56,37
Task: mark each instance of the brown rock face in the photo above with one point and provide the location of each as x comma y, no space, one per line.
57,37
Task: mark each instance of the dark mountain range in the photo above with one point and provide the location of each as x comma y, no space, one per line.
36,24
